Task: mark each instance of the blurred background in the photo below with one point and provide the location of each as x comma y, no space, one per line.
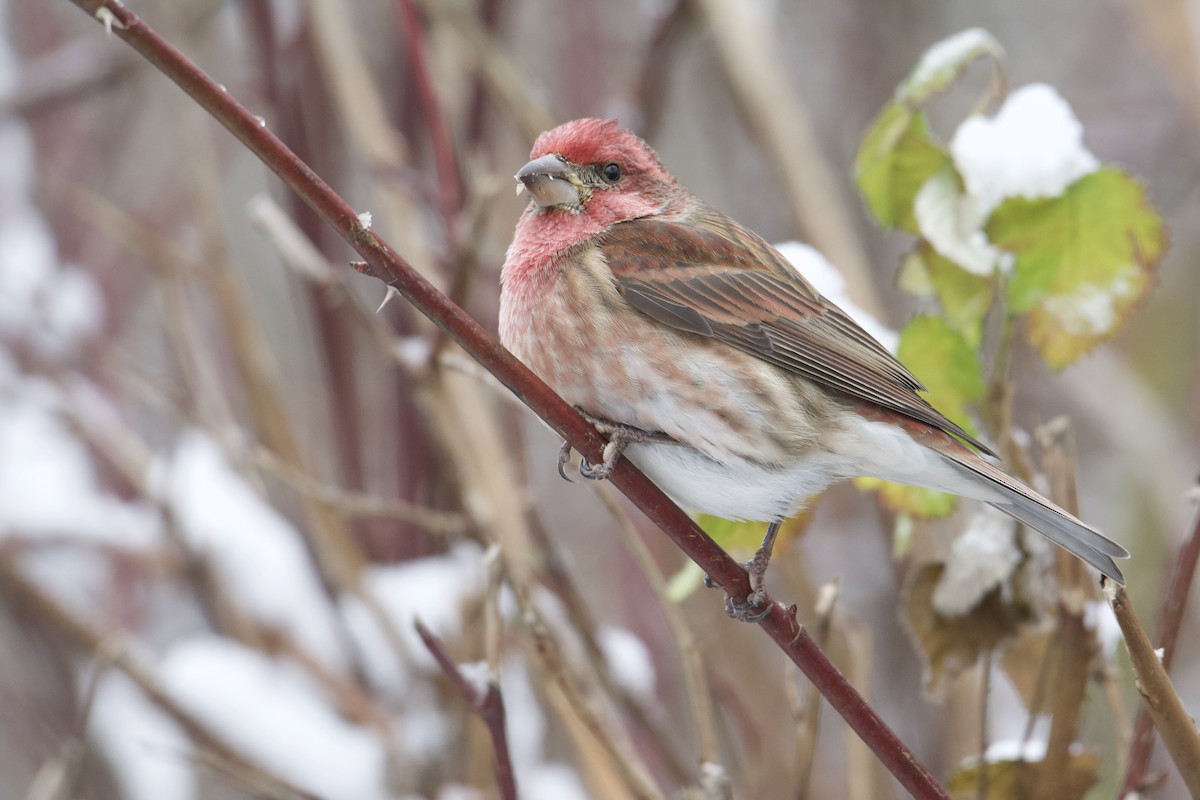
230,481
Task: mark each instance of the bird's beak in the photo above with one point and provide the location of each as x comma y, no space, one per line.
549,181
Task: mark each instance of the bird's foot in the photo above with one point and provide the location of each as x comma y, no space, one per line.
619,437
755,607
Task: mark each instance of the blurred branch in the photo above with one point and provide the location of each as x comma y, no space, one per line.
449,177
585,624
383,262
1175,725
619,755
808,715
487,703
1170,622
357,504
80,634
649,88
694,678
749,49
493,66
1073,647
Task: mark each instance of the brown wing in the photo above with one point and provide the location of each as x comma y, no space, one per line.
714,278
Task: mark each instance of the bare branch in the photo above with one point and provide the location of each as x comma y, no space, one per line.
385,263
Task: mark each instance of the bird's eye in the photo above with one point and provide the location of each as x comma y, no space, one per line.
612,172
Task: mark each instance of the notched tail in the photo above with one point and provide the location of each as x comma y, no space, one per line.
1029,507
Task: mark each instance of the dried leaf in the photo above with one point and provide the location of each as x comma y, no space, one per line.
953,644
1017,780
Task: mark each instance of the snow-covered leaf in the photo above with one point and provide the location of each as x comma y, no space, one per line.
1017,779
951,644
952,223
1032,147
1083,260
944,63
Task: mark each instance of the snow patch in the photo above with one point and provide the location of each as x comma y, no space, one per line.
982,558
945,55
271,711
628,659
257,554
431,589
1032,148
146,750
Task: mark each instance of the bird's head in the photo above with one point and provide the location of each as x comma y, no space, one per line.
595,170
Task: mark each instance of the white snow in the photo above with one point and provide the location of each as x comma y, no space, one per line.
1032,148
1092,310
1031,749
981,559
146,750
256,553
953,224
1099,617
48,483
828,280
271,711
628,659
430,589
946,55
537,778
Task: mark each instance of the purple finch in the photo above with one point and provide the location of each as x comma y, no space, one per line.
710,362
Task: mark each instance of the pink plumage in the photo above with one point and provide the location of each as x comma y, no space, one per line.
647,308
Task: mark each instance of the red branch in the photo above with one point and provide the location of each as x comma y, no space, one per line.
488,704
382,261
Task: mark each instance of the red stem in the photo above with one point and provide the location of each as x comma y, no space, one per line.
780,624
488,704
449,176
1170,621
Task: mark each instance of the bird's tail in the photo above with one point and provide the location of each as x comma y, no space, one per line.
1019,501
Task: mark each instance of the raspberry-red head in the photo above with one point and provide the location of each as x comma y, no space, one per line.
599,141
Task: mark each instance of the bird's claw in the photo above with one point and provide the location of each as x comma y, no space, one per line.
564,455
619,437
754,608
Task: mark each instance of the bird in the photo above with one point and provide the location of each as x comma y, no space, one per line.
709,361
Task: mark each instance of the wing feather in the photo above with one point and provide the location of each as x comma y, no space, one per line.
709,276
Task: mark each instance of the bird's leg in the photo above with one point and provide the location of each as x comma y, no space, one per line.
752,610
619,437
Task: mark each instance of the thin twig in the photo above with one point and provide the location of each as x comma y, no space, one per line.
1170,622
622,759
487,703
694,677
359,504
1175,725
809,714
80,634
384,262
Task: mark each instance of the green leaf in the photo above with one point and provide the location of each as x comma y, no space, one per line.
948,365
684,583
913,501
944,63
734,537
1083,260
965,297
896,157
